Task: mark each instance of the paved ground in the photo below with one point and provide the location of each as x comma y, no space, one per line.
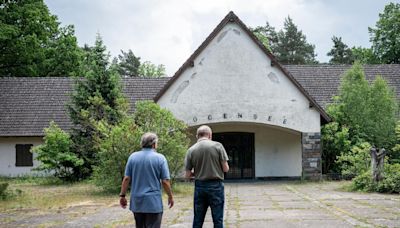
259,204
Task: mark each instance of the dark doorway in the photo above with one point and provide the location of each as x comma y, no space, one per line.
240,149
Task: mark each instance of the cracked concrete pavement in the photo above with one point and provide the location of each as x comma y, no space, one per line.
252,204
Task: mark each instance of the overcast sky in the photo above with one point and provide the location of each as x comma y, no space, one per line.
169,31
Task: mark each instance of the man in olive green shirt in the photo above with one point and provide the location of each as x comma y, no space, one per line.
209,161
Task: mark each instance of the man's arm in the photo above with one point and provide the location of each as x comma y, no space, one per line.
188,174
167,187
225,166
124,187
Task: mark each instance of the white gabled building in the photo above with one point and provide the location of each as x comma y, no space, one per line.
267,116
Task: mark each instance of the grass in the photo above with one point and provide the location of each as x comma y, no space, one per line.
50,193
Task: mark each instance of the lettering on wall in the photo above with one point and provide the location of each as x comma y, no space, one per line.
239,115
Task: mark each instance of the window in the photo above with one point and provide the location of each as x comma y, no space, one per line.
24,156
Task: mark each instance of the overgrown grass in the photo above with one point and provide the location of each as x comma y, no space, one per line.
50,193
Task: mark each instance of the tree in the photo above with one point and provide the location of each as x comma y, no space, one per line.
128,64
267,35
340,52
367,111
364,55
96,97
173,141
148,69
288,45
32,43
55,153
292,47
385,37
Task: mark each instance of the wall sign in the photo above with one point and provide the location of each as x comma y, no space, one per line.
240,116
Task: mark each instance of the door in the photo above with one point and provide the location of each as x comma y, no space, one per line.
240,149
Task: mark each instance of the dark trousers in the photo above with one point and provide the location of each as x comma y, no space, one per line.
148,220
209,193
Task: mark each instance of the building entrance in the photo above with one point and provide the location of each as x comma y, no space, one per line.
240,149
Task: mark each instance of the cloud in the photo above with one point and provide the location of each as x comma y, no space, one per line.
168,32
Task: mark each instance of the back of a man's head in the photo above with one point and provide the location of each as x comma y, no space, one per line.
203,131
149,140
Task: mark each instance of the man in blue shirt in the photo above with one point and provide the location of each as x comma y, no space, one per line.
144,169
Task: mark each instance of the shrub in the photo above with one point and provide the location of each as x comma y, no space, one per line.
389,184
391,179
363,182
3,190
55,155
115,145
172,133
357,161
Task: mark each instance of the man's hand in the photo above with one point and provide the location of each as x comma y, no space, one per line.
123,202
170,201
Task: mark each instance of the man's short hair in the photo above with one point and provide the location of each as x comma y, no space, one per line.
148,140
203,131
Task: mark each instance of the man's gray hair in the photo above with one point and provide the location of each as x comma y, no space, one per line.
203,131
148,140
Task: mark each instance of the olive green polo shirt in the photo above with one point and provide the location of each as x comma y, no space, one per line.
205,157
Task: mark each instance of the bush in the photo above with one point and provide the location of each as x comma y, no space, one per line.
115,146
391,179
55,154
172,133
3,190
116,142
389,184
363,182
357,161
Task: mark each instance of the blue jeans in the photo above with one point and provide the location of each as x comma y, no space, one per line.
209,193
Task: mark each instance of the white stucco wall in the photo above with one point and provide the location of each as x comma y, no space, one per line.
232,80
8,155
277,151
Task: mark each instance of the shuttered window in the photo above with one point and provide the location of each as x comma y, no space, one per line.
23,155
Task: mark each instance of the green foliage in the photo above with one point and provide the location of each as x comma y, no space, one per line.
395,155
96,97
385,37
363,182
382,115
55,154
288,45
3,191
389,184
356,161
368,111
115,145
267,35
32,43
128,64
148,69
173,141
340,52
364,55
335,139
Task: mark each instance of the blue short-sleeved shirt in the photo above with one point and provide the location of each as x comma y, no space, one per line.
146,168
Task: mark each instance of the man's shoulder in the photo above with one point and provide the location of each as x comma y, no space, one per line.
205,144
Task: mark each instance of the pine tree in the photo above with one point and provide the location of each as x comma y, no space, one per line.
96,97
340,52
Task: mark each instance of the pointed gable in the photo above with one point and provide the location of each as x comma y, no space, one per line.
233,77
